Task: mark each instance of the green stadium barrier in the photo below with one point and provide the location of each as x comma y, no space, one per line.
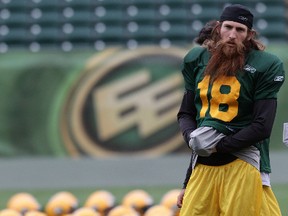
35,88
32,87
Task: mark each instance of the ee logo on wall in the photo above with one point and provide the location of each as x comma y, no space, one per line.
125,102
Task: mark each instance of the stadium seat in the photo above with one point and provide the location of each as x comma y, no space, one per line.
13,17
47,34
204,13
143,33
274,30
14,35
138,14
270,11
141,3
75,16
18,5
107,15
79,33
43,4
111,33
111,4
83,4
44,17
171,14
175,31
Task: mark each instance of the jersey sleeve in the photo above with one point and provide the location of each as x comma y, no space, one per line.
270,79
190,64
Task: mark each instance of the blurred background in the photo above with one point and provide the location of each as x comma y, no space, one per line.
89,92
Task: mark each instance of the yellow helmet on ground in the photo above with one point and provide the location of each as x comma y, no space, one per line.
35,213
10,212
23,202
61,203
159,210
138,199
169,200
121,210
102,201
85,211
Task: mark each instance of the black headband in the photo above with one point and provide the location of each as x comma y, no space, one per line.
237,13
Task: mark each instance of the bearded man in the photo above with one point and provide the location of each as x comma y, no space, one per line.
228,108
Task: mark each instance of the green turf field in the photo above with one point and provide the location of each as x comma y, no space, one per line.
280,190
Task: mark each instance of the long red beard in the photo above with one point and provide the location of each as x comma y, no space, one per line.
225,60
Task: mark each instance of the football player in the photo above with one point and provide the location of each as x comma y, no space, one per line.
228,107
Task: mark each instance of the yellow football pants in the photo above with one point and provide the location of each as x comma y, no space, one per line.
234,189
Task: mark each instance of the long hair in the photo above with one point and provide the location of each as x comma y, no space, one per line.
225,61
206,32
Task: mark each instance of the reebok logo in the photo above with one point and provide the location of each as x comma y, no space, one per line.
243,18
249,68
279,78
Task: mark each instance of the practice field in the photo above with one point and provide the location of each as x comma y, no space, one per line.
43,177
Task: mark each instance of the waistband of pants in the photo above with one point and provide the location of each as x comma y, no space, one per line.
216,159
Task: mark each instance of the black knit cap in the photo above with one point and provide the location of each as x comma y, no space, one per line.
237,13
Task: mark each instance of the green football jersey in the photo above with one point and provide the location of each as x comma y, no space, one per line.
227,103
